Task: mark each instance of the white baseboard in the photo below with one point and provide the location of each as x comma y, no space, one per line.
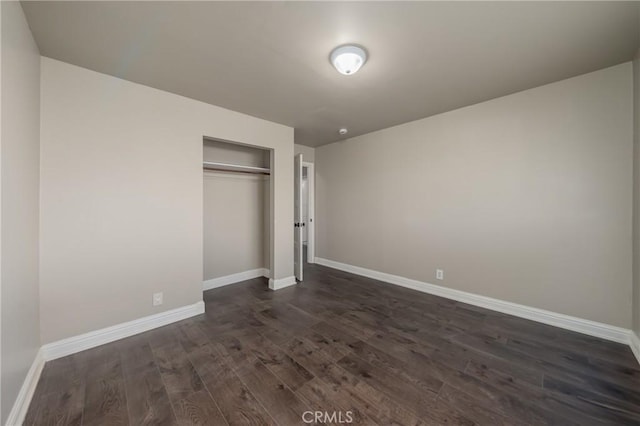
92,339
281,283
634,344
235,278
23,400
592,328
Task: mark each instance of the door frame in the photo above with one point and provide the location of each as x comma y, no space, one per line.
298,251
311,225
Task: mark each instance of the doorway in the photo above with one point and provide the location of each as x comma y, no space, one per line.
308,209
304,204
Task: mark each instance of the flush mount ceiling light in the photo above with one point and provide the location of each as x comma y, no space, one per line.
343,131
348,59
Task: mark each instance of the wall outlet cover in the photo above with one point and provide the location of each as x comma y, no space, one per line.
157,299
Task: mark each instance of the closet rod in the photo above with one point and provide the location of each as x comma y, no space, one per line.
235,168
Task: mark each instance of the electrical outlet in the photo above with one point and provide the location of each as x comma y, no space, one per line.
157,299
439,274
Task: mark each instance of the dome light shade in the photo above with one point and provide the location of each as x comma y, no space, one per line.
348,59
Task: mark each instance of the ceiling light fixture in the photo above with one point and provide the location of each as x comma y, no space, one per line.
348,59
343,131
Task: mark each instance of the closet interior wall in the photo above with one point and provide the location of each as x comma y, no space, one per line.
236,211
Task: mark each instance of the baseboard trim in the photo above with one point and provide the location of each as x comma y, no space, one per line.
591,328
235,278
281,283
634,344
75,344
23,400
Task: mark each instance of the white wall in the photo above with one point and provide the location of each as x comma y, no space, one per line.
235,229
525,198
308,153
224,152
122,197
20,152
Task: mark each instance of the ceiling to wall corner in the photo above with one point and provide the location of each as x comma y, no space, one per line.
271,59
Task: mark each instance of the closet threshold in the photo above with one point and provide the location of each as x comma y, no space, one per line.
225,167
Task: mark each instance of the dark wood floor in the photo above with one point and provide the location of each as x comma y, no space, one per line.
343,343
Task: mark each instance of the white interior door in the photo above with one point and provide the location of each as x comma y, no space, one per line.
297,217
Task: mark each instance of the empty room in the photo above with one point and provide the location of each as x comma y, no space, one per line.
317,212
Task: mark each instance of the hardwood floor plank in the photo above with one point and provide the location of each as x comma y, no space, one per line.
513,371
417,361
510,404
59,408
619,410
350,327
105,395
236,402
147,399
191,336
578,364
322,397
63,373
191,401
435,347
595,349
416,375
283,405
405,394
312,358
560,407
178,374
374,404
601,377
197,408
278,362
469,407
332,340
136,356
105,402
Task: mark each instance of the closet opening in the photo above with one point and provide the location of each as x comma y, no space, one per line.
236,219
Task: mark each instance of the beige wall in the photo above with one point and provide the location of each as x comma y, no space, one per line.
308,153
122,197
525,198
20,152
223,152
234,223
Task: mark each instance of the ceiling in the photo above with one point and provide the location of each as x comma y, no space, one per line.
270,59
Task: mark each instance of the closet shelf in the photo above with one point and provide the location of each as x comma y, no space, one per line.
208,165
